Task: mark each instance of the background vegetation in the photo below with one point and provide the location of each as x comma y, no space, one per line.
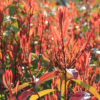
49,50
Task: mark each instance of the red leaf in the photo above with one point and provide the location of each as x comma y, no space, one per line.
46,77
30,58
7,78
17,87
81,95
83,47
25,95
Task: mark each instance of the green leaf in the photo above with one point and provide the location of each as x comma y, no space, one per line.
77,19
91,89
85,28
41,93
62,97
12,9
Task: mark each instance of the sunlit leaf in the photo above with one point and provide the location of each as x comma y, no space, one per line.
69,76
70,73
91,89
47,77
20,87
41,93
58,82
45,58
20,5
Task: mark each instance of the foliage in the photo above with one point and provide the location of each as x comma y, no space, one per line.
49,50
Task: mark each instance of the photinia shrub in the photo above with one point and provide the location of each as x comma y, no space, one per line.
49,51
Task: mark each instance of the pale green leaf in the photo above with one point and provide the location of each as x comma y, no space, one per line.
20,87
91,89
41,93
